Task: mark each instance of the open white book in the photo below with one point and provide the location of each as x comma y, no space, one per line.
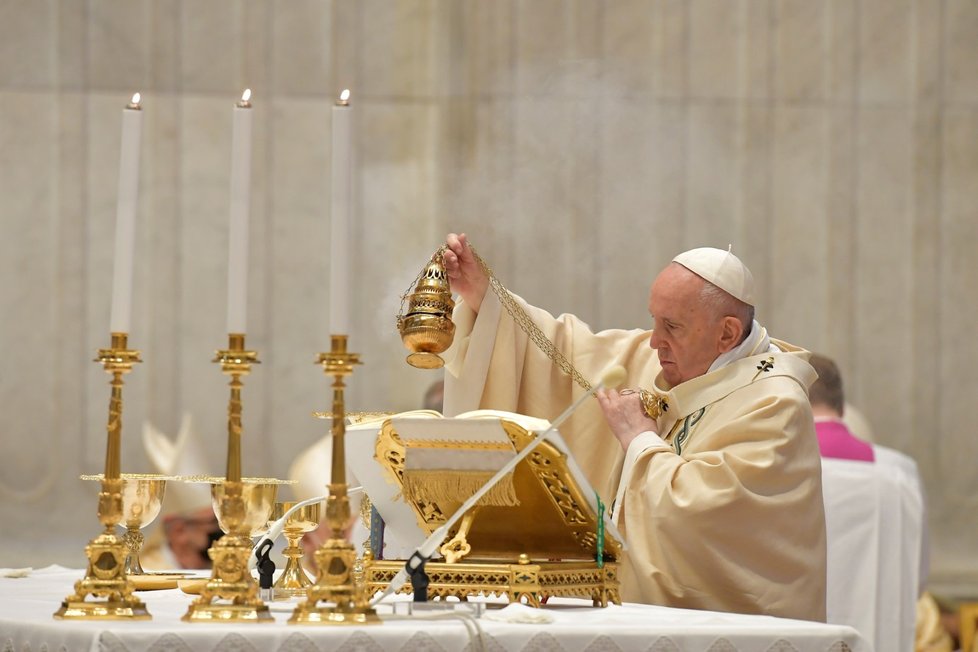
417,467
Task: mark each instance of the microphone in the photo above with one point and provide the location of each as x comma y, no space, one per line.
275,529
612,377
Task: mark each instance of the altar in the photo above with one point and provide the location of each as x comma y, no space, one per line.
27,604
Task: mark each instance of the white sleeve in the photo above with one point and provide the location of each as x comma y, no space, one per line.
645,441
467,360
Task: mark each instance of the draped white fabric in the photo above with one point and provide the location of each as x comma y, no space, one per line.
26,606
874,526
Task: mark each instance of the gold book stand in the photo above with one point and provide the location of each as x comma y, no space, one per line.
537,537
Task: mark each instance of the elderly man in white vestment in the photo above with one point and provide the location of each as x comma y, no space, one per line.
719,495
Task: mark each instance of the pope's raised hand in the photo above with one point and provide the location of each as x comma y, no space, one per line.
625,415
464,272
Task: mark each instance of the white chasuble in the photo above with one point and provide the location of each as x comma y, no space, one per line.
734,520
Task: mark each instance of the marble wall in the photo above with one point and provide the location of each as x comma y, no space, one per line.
834,144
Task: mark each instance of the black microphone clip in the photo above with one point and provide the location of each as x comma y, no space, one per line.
419,578
266,568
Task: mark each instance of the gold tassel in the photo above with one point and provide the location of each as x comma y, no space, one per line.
444,486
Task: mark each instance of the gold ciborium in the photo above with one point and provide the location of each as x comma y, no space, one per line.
293,580
142,499
427,328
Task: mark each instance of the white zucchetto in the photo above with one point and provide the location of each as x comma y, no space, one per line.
722,269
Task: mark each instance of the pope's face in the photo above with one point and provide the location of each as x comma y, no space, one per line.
686,334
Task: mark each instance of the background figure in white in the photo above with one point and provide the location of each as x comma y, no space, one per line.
875,525
187,523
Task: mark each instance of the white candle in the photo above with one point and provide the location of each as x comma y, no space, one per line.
125,217
339,286
238,227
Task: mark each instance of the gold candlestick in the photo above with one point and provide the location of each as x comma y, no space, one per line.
231,578
336,582
106,575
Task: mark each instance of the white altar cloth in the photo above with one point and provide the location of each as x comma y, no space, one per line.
26,605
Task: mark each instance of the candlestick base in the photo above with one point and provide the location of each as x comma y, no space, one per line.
336,585
336,580
105,578
231,578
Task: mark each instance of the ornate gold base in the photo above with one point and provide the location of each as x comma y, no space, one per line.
347,603
534,582
230,580
105,578
422,360
131,609
293,581
228,613
304,615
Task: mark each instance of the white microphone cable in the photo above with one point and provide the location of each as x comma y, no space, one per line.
612,377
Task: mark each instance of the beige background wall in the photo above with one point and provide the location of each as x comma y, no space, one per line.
580,144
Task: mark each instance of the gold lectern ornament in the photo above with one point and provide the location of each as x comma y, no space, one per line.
427,328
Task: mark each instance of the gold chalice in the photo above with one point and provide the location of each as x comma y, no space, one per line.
142,498
258,495
293,580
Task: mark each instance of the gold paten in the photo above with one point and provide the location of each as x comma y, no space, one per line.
239,507
544,546
106,579
293,580
142,498
427,328
347,602
355,417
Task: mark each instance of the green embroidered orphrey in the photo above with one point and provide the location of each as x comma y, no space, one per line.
599,553
688,424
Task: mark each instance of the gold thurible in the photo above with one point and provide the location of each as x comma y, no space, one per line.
345,595
231,578
106,574
427,328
